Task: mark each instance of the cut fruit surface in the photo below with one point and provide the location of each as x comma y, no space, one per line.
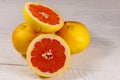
44,14
48,55
42,18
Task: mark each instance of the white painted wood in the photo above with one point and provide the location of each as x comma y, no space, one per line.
100,61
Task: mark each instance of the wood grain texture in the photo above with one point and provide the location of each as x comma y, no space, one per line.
100,61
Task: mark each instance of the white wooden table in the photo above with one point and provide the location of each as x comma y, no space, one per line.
100,61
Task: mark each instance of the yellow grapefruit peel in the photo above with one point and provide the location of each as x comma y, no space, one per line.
38,25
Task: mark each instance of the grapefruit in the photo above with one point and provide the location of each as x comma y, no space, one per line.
42,18
76,35
22,36
48,55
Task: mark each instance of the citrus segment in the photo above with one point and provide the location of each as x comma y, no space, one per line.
44,14
42,18
48,55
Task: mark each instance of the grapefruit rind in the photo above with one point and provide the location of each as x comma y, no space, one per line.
22,36
47,74
38,25
76,35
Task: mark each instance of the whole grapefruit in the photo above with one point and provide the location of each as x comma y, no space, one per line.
76,35
22,36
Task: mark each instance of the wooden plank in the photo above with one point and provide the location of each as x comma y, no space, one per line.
100,61
17,72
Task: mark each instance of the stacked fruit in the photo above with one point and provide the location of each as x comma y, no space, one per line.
48,41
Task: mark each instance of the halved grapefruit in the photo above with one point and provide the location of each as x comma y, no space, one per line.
48,55
42,18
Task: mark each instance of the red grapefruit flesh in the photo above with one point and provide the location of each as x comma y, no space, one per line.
48,55
44,14
42,18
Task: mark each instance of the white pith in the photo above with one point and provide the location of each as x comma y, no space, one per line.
47,54
44,14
